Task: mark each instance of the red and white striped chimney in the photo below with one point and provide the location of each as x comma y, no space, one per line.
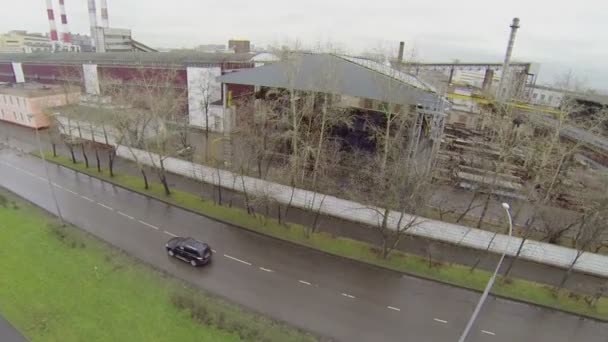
105,22
67,37
51,16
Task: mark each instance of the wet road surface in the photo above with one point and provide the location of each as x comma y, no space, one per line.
344,300
8,333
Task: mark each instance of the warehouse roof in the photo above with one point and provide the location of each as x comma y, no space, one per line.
149,58
337,74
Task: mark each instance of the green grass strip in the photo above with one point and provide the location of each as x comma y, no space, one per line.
61,284
458,275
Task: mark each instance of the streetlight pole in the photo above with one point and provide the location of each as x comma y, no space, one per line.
485,293
48,178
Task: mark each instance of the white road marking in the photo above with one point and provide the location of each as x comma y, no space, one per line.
58,186
488,332
147,224
440,320
237,259
347,295
169,233
213,250
86,198
266,270
70,191
125,215
105,206
304,282
393,308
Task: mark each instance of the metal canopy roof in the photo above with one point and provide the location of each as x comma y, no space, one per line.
336,74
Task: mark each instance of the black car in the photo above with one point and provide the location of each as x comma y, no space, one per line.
189,250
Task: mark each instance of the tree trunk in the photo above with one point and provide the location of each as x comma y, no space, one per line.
385,236
219,187
485,210
98,161
315,223
469,208
279,213
54,146
84,155
111,156
246,195
478,261
554,179
71,148
293,190
163,178
143,173
579,253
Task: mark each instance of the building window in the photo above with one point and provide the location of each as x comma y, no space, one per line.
550,98
15,115
21,115
542,97
10,98
535,95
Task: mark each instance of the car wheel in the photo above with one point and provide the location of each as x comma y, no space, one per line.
170,251
193,263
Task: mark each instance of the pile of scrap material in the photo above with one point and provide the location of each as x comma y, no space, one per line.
467,160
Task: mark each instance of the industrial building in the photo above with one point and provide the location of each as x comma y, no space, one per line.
26,104
193,71
18,41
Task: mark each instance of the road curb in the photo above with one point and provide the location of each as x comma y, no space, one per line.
547,307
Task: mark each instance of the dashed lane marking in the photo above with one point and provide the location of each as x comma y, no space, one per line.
304,282
105,206
440,320
126,215
147,224
348,295
58,186
488,332
213,250
87,198
70,191
169,233
393,308
237,259
266,270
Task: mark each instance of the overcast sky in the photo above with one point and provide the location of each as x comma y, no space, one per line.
559,36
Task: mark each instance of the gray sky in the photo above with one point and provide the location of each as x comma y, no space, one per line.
559,36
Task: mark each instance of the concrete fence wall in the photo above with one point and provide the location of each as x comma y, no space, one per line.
540,252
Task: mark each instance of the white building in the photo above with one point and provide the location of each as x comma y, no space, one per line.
545,96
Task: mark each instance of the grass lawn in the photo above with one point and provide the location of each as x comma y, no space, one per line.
61,284
452,274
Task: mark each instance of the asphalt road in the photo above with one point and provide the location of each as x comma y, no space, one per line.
8,333
333,297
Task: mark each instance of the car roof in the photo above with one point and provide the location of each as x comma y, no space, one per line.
198,245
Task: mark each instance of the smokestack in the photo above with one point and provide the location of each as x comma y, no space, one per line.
92,21
401,48
67,38
505,66
104,14
51,16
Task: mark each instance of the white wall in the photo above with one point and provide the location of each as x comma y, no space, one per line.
545,97
18,71
91,79
202,87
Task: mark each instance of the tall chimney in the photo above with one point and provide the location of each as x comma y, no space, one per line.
66,37
92,21
401,48
51,16
104,14
504,82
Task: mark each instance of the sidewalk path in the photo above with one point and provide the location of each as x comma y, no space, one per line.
545,253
